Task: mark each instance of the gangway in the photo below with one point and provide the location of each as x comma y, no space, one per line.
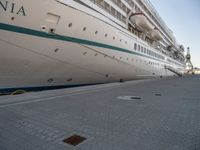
173,70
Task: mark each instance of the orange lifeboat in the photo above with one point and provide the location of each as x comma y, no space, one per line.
141,20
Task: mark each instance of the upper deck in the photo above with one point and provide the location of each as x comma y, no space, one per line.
121,10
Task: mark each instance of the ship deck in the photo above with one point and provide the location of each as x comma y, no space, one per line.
158,114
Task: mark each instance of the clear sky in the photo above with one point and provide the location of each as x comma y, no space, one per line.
183,18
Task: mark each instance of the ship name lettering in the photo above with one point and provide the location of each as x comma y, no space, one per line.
12,8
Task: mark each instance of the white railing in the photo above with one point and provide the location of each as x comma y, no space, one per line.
157,16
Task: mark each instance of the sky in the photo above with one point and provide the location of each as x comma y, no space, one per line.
183,18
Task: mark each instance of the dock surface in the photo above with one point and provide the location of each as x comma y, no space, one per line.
158,114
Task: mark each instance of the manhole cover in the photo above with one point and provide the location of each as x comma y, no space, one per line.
158,94
129,97
74,140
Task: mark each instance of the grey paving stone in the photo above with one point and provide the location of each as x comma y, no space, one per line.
169,120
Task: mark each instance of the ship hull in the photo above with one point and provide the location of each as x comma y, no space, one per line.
45,48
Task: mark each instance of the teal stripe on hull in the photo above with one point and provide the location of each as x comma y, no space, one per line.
31,32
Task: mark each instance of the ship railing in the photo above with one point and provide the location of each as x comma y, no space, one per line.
157,16
107,8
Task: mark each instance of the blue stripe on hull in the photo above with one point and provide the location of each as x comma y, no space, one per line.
42,88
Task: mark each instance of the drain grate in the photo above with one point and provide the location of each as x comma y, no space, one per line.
135,97
158,94
74,140
129,97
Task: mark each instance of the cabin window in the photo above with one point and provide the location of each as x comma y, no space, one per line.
139,48
123,7
106,6
124,19
113,11
119,15
127,10
145,50
135,46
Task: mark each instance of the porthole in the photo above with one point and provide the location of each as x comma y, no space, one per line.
56,50
12,18
52,30
120,40
120,57
96,32
69,80
84,53
84,29
43,28
113,38
106,35
126,42
50,80
70,25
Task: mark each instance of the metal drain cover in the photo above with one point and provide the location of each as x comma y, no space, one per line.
129,97
158,94
74,140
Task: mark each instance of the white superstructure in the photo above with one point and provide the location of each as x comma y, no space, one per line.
60,43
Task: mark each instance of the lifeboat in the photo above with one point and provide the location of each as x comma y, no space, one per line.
156,35
141,20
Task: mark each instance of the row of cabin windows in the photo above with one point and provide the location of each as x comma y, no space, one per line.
133,5
122,6
144,50
110,9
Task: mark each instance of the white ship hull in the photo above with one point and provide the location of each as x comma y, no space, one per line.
32,57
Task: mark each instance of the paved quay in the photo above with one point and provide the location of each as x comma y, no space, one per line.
158,114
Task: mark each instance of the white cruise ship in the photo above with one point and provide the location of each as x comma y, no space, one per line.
63,43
